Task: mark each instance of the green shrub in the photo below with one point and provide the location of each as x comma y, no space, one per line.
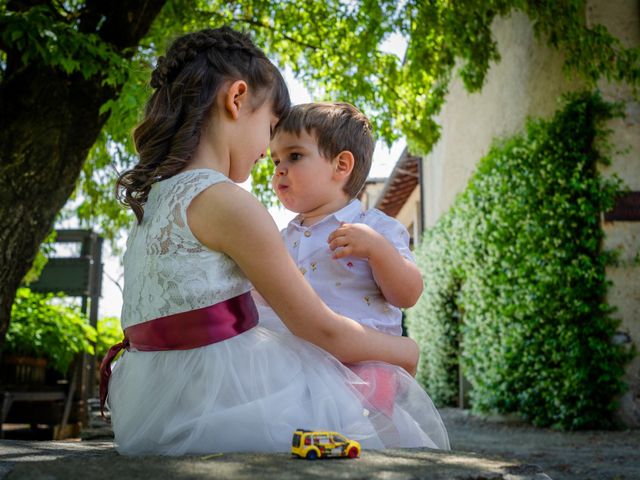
41,328
109,333
515,278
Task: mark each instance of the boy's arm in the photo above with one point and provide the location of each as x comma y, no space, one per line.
399,279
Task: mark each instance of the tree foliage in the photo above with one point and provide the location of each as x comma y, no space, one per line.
333,46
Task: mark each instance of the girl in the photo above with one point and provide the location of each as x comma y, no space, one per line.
199,375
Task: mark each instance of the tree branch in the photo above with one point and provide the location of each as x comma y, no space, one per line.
256,23
118,22
115,281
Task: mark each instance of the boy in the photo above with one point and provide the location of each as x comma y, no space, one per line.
357,261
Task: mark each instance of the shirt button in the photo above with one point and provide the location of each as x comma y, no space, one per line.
307,233
303,270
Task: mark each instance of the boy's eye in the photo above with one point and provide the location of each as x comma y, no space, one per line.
295,156
276,161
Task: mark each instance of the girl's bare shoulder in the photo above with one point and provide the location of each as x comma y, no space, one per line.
226,210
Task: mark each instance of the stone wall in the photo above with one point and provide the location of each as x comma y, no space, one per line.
622,19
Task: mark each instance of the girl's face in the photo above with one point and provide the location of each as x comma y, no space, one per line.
252,135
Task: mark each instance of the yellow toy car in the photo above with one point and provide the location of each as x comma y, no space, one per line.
312,445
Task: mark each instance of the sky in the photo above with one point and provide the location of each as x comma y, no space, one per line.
383,161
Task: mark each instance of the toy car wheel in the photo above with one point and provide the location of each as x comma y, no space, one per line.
312,455
352,452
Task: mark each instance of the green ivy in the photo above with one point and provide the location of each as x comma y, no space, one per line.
42,328
515,278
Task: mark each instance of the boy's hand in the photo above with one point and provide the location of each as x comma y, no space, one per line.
355,239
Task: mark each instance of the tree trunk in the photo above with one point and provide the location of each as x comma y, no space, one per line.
48,123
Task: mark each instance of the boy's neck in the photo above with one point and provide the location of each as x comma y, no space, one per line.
316,215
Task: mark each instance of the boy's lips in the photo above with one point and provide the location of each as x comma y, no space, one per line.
282,188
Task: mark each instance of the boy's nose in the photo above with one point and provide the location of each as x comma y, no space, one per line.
280,170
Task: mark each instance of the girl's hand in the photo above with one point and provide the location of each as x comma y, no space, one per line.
354,239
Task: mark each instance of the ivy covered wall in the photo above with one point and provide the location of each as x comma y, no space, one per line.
515,279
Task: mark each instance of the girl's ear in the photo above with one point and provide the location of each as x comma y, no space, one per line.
343,164
235,97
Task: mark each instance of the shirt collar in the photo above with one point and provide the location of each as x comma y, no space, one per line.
350,211
345,214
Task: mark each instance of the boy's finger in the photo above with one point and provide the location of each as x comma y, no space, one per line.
342,252
338,242
335,234
343,226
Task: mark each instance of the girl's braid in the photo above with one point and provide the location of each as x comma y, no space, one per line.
186,48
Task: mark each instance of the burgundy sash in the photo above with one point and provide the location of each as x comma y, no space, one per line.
184,331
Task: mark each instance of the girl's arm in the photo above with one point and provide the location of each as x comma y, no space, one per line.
228,219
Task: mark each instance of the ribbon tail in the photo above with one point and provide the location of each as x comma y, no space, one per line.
105,372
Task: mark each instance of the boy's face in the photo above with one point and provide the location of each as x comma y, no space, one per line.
303,180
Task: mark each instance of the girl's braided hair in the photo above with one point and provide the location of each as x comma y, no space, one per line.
185,83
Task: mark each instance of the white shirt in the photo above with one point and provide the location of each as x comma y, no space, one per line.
347,285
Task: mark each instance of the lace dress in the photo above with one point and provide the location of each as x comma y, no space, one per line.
247,393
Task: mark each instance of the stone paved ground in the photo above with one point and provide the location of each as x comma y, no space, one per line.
482,449
96,460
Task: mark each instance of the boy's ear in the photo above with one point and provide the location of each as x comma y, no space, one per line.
343,164
235,97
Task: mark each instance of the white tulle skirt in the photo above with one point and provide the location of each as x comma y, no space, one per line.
251,392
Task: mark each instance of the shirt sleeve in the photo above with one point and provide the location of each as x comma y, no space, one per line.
392,230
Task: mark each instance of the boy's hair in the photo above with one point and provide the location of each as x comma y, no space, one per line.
337,126
186,81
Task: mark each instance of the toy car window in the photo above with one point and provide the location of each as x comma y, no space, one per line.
339,439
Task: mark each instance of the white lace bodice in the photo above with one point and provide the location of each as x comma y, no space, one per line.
166,269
